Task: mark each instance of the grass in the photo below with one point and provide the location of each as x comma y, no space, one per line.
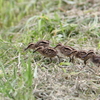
23,75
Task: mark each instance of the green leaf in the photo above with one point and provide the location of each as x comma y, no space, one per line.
65,63
35,71
98,45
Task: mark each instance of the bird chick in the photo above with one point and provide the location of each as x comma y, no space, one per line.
47,52
43,43
65,51
93,57
79,54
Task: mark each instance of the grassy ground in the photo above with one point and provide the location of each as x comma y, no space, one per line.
25,76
